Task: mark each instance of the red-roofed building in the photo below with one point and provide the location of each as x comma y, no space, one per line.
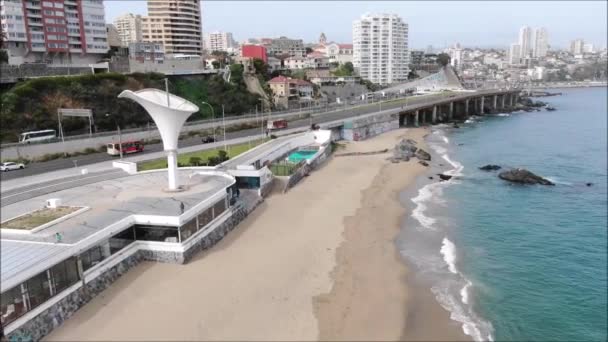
340,53
285,89
254,51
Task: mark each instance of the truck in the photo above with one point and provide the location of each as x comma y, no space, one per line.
276,124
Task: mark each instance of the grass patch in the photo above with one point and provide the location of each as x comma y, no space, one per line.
38,218
199,157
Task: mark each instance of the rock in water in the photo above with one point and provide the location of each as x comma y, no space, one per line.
490,167
423,155
444,177
523,176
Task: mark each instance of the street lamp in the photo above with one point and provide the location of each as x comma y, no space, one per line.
108,115
212,117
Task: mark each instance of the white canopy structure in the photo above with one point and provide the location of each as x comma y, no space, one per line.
169,113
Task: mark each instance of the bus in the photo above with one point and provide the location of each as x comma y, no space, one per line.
113,149
35,136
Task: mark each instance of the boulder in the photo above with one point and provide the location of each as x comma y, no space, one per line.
422,162
490,167
444,177
405,150
523,176
423,155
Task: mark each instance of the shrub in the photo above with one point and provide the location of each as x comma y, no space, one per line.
272,136
195,161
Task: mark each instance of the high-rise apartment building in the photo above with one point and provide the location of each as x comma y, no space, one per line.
219,41
577,46
525,42
514,54
129,28
380,48
541,42
176,24
54,31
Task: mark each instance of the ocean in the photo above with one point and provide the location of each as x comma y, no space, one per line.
517,262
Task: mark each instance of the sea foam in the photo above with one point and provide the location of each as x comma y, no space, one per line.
448,250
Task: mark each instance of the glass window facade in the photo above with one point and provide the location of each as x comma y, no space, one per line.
156,233
12,305
64,275
92,257
121,240
219,207
205,217
187,230
38,290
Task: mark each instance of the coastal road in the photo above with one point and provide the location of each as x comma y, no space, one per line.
65,163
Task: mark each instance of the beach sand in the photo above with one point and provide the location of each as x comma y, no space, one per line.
319,262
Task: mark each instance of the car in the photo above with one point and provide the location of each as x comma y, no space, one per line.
207,140
11,166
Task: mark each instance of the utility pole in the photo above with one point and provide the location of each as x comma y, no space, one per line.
224,124
167,91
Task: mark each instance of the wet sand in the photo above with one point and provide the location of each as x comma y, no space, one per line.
319,262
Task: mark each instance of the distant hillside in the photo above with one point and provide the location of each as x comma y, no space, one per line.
33,104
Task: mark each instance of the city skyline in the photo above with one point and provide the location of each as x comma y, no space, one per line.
565,21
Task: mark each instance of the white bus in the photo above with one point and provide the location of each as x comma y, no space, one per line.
35,136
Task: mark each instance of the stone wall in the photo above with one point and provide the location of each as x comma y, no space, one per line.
41,325
12,73
364,128
305,169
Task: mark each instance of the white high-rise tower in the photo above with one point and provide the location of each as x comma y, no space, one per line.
541,42
525,42
380,48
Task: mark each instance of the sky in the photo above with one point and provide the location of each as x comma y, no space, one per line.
436,23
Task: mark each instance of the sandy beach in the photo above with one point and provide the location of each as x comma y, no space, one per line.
317,263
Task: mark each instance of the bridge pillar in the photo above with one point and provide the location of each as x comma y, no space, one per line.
434,117
512,100
482,103
416,118
451,112
495,101
466,108
503,101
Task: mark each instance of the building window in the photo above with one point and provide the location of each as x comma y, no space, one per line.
64,275
205,217
122,239
38,289
12,305
188,229
156,233
93,256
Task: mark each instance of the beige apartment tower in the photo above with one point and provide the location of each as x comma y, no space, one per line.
176,24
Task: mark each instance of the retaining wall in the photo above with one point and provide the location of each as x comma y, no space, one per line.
364,128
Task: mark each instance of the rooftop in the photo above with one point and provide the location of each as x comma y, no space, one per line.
116,202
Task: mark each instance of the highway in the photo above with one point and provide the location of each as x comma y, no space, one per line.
64,163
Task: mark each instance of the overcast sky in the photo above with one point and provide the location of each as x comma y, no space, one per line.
437,23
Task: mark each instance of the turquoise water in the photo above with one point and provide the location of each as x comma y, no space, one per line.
298,156
520,263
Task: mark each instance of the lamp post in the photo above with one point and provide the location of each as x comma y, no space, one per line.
108,115
224,124
212,117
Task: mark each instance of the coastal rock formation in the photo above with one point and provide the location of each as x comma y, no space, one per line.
444,177
405,150
423,163
423,155
490,167
523,176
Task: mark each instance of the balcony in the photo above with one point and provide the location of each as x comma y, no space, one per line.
31,5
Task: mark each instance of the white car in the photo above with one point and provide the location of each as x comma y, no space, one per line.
11,166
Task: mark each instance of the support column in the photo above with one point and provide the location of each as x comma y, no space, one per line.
512,100
451,112
466,108
172,169
482,103
416,118
503,101
495,101
434,117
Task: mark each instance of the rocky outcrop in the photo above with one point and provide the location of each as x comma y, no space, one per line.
423,155
405,150
523,176
443,177
423,163
490,167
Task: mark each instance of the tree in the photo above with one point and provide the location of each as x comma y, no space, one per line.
216,64
443,59
348,66
309,50
412,75
261,68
